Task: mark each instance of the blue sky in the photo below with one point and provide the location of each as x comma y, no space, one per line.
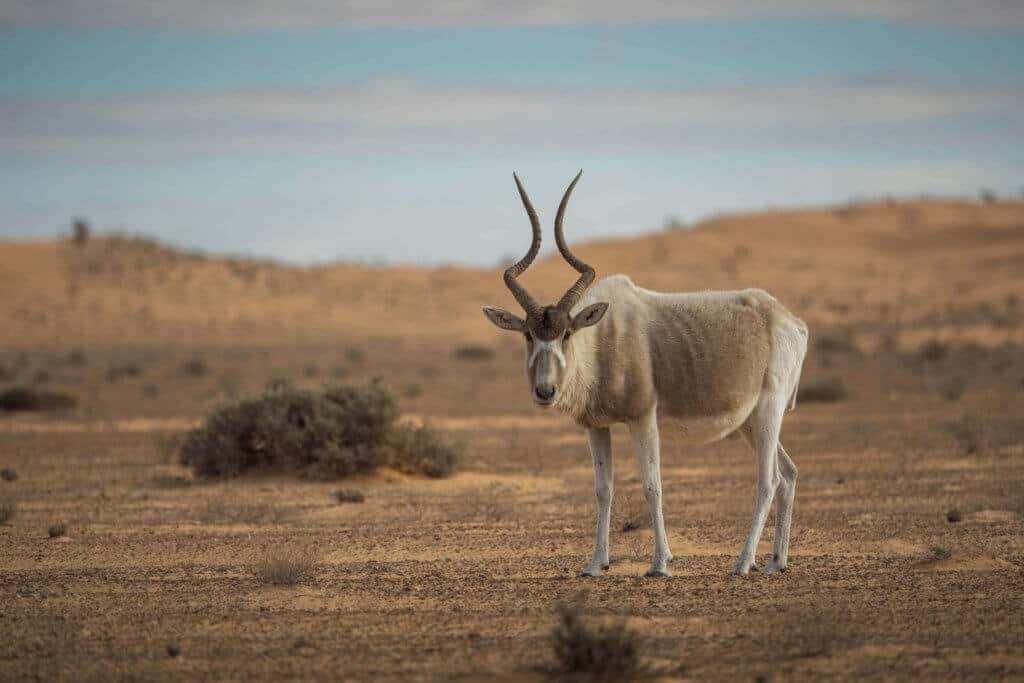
314,132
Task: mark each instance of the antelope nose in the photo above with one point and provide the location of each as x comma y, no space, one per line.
544,392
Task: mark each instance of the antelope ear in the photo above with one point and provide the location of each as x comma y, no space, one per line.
504,319
590,315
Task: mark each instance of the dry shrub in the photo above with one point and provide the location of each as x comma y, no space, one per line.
7,511
8,474
631,513
473,352
933,351
421,450
340,431
57,529
349,496
286,566
119,371
195,367
823,390
22,399
76,358
607,651
836,341
7,374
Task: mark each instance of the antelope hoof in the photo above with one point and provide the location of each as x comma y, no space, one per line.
591,571
743,567
774,568
653,571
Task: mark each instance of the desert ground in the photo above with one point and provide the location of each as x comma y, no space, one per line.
907,557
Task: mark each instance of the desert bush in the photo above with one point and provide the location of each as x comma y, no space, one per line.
421,450
836,341
355,355
8,474
822,390
119,371
8,510
7,374
22,399
334,433
195,367
608,651
151,390
286,566
57,529
349,496
472,352
80,232
933,351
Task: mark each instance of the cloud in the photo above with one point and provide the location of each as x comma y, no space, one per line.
362,14
399,117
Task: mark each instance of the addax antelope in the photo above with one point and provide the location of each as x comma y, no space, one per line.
714,362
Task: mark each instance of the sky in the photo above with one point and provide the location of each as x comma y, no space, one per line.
389,131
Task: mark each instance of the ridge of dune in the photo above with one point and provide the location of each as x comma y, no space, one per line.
934,262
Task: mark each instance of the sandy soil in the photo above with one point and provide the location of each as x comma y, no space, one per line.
459,578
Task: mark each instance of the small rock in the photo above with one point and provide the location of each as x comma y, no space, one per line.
953,516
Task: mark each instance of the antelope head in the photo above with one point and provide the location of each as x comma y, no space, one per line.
548,330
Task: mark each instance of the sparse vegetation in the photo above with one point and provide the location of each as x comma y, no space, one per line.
286,566
120,371
933,351
195,367
822,390
473,352
938,552
334,433
240,511
606,651
355,355
837,341
8,474
349,496
8,509
23,399
631,513
76,358
421,450
80,232
57,529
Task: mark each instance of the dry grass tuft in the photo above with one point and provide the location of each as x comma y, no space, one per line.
933,351
8,510
21,399
286,566
195,367
971,432
57,529
8,474
631,513
349,496
822,390
473,352
605,651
